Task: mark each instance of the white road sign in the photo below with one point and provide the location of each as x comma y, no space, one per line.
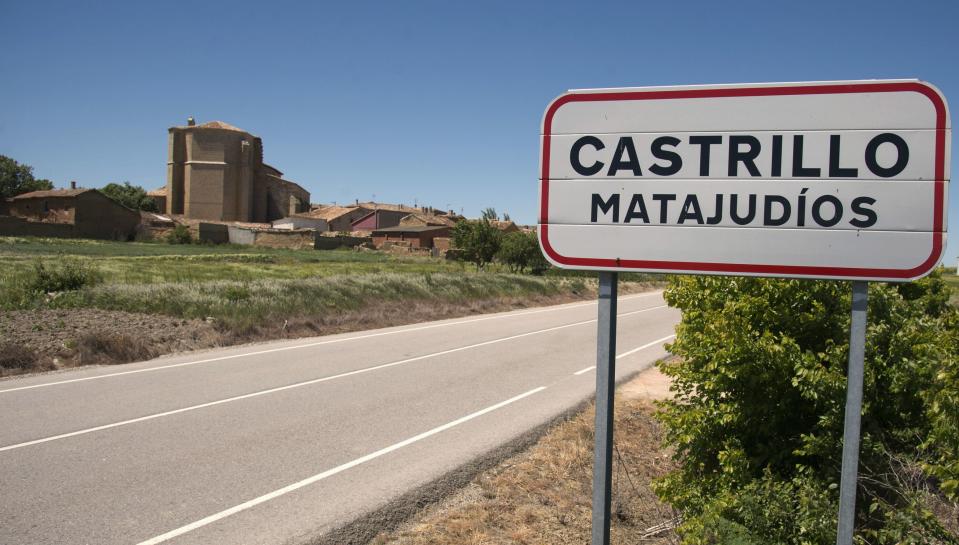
839,180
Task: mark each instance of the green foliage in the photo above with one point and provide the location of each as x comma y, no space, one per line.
758,415
477,240
69,274
489,214
16,178
180,234
520,251
131,196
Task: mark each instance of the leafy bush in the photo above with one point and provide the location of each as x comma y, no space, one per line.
757,419
477,240
179,235
68,275
520,251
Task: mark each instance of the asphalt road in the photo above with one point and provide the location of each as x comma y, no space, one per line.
277,442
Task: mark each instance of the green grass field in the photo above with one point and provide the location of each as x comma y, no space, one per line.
240,286
148,263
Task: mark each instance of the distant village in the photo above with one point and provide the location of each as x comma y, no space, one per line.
220,190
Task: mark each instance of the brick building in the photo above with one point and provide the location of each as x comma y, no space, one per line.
417,236
81,213
215,171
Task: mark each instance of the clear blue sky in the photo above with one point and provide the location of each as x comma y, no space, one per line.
435,101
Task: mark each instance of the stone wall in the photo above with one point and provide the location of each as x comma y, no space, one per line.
339,241
293,240
216,233
20,227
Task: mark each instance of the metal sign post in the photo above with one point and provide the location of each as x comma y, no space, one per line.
850,437
605,390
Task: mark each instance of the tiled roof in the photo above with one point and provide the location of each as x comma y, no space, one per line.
330,213
410,229
51,193
214,125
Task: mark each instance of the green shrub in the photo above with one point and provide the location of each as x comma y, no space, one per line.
477,241
68,274
179,235
757,419
520,251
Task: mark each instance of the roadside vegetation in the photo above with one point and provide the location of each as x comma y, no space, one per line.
229,294
757,420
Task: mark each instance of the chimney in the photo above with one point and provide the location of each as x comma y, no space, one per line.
357,202
73,184
190,122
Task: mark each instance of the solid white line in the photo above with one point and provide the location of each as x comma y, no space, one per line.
330,472
624,354
304,383
657,341
319,343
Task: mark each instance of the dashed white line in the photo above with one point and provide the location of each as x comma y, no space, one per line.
305,383
330,472
313,344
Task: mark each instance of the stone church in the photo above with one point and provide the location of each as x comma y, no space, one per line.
215,171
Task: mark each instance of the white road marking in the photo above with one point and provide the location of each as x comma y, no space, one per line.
305,383
319,343
645,346
624,354
330,472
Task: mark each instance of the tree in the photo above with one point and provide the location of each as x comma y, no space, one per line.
489,214
16,179
757,420
520,251
478,240
131,196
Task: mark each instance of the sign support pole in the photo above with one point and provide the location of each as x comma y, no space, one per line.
605,390
851,429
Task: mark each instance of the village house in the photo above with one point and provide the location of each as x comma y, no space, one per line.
506,226
415,236
339,218
378,219
426,218
158,196
69,213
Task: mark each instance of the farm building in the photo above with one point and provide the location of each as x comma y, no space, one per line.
81,213
378,219
339,218
417,236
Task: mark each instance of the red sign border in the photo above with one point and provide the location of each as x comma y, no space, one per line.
747,268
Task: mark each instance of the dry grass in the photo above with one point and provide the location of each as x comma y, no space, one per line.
112,348
544,494
16,359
